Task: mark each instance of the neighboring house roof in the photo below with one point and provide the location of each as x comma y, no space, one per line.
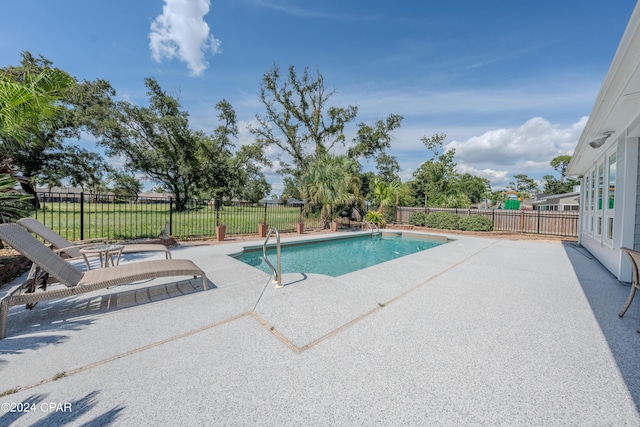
67,190
616,107
295,202
290,201
270,201
78,190
554,199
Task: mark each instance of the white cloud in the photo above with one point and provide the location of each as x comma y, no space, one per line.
529,147
500,153
181,32
493,176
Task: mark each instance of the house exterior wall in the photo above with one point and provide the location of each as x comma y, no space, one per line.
625,214
613,126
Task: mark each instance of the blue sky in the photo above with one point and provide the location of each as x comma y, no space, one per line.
510,82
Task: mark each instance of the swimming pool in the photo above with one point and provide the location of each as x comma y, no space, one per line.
336,257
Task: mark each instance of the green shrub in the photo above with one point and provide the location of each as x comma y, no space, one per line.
418,219
376,217
389,214
475,223
443,220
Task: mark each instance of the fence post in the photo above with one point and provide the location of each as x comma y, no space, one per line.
82,215
170,216
538,221
216,206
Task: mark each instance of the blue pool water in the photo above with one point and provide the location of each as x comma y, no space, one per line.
339,256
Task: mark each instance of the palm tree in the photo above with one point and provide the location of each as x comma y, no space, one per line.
26,104
326,183
13,205
384,194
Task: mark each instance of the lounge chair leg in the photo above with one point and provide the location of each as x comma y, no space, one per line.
628,303
4,312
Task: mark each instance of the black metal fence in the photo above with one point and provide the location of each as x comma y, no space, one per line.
80,215
556,223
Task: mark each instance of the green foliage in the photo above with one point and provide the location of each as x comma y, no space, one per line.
523,184
418,219
556,186
474,187
297,119
30,97
436,178
388,167
374,139
475,223
442,220
156,140
560,164
13,205
457,200
384,194
35,123
389,215
376,217
124,184
328,183
291,188
300,123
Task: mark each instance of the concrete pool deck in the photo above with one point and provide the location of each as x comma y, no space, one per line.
479,331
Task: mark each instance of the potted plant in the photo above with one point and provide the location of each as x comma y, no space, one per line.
221,232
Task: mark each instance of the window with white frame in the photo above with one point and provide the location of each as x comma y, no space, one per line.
586,203
592,201
599,209
611,190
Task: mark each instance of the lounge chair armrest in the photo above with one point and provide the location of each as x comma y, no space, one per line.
91,241
82,245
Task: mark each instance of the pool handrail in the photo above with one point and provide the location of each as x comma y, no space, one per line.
277,273
371,225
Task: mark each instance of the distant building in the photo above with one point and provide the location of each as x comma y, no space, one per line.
73,194
557,202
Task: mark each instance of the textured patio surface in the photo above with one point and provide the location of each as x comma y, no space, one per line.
475,332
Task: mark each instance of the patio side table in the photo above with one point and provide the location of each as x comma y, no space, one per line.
104,252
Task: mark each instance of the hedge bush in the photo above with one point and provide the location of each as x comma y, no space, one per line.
475,223
443,220
418,219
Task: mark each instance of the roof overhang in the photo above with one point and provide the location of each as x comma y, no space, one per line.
616,112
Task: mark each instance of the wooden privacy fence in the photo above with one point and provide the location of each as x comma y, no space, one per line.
557,223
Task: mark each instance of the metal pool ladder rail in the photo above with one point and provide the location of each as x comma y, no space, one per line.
277,275
374,228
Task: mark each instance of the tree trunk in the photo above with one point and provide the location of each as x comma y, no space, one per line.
181,204
28,188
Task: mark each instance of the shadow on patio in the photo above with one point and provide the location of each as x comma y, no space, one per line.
607,296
